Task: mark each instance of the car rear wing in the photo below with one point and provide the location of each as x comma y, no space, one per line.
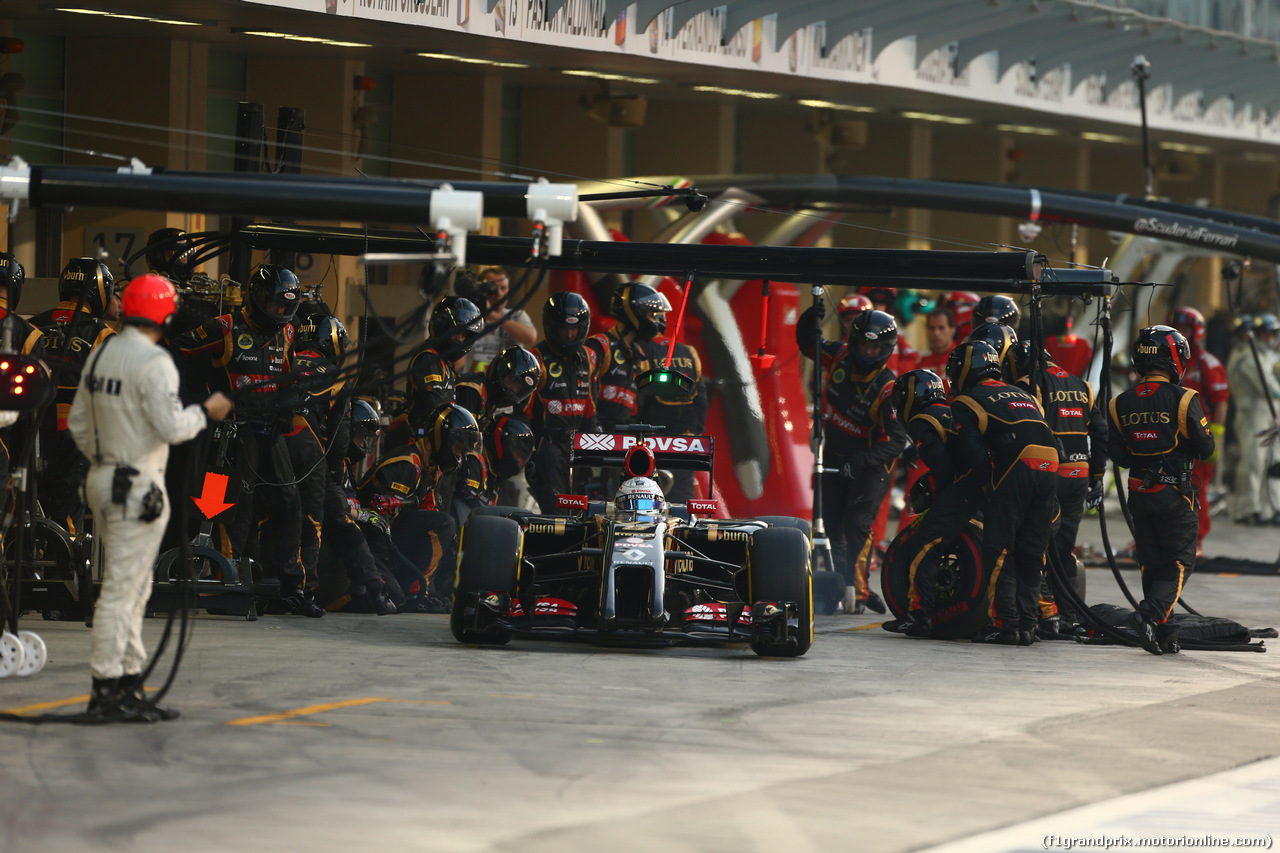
672,452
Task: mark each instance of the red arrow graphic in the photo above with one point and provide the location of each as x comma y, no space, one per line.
213,501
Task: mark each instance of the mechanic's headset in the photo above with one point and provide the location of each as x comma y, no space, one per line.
640,462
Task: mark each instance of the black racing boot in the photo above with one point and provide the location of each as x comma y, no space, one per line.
874,603
132,696
299,602
921,625
1167,636
998,636
1049,629
1146,631
375,593
110,705
1027,636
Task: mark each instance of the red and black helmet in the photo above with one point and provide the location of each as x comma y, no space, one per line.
511,378
1161,348
508,444
873,335
970,363
997,308
853,304
1189,318
960,303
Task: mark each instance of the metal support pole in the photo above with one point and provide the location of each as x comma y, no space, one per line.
821,545
248,160
1141,72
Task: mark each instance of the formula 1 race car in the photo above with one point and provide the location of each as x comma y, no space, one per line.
641,573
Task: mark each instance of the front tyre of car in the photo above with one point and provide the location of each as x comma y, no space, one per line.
489,553
780,592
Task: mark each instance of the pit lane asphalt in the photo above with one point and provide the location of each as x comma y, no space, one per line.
359,733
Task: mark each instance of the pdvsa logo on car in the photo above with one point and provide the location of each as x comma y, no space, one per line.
670,443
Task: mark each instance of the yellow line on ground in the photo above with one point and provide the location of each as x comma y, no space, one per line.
45,706
328,706
873,625
300,723
56,703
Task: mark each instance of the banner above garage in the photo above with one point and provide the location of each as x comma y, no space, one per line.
1067,57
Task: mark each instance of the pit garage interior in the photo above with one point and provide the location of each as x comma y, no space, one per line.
354,731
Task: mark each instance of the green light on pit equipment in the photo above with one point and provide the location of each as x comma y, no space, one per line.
663,377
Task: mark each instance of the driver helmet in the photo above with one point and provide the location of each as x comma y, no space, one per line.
640,494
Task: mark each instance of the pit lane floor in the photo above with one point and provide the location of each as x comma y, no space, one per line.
359,733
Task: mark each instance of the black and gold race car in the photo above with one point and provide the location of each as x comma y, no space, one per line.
658,576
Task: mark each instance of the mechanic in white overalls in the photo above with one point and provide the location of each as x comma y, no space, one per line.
124,418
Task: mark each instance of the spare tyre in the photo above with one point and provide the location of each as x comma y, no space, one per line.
961,606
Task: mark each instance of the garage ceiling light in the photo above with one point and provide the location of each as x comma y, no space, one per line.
126,16
938,118
1026,128
1090,136
307,39
471,60
832,105
602,75
741,93
1184,148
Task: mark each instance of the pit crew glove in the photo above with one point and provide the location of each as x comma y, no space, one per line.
1093,500
1218,430
374,520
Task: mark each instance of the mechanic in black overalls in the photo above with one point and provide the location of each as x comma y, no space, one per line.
454,326
1002,436
371,582
678,416
640,311
863,439
318,349
401,489
920,399
1072,412
622,354
87,283
565,401
239,354
1157,430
